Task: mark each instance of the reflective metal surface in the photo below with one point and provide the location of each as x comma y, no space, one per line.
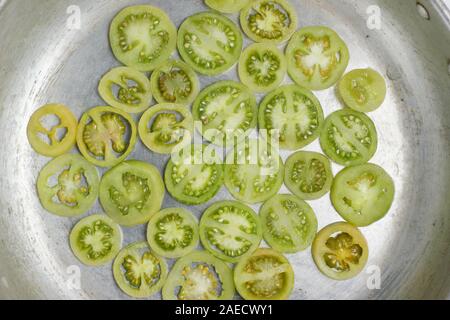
42,61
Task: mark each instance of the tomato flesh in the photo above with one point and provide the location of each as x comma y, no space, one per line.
363,195
230,231
317,57
227,6
199,276
173,233
340,251
52,145
265,275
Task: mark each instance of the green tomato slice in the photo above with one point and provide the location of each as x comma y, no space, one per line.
175,82
52,140
142,37
193,177
254,171
349,138
269,21
132,192
106,136
265,275
68,186
173,233
289,223
308,175
126,89
230,231
227,111
199,276
262,67
210,43
139,272
166,127
362,195
317,58
363,90
96,240
340,251
227,6
292,113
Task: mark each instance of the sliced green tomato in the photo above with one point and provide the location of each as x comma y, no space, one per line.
317,58
175,82
52,140
230,231
139,272
362,195
68,186
262,67
227,6
254,172
265,275
210,43
308,175
192,177
132,192
142,37
96,240
363,90
165,127
292,113
349,138
173,233
106,136
289,223
199,276
126,89
340,251
227,111
269,21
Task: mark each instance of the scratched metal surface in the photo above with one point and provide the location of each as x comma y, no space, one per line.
42,61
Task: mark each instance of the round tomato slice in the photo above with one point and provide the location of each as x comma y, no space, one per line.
289,223
227,111
227,6
106,136
199,276
254,171
293,114
139,272
340,251
269,21
126,89
52,140
349,138
308,175
68,186
317,58
165,127
262,67
210,43
175,82
192,177
173,233
142,37
132,192
230,231
362,195
96,240
363,90
265,275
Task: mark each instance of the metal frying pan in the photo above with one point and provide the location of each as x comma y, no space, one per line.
42,60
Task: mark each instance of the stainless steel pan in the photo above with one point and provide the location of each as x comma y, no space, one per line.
43,60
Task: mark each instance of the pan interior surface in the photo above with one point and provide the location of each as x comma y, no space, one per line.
46,57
